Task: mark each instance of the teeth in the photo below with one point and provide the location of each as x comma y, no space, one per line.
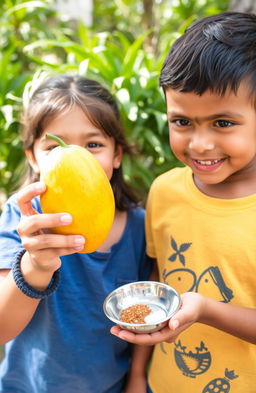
207,162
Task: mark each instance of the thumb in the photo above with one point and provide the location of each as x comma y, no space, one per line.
174,323
178,320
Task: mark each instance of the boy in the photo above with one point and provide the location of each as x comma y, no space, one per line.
201,219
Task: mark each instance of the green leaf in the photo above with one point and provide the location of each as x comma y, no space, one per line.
132,55
27,5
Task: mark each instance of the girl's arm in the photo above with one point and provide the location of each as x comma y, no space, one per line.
37,265
16,309
235,320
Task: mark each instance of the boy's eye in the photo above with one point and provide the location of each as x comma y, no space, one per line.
223,123
181,122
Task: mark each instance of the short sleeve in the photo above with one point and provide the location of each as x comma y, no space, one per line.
10,242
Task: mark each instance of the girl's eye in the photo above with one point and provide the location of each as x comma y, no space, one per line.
181,122
93,145
51,147
223,123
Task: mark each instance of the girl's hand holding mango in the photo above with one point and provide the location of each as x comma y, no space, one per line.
44,247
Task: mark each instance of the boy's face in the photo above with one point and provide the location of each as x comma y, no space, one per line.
214,135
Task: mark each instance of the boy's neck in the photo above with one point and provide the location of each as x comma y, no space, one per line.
228,189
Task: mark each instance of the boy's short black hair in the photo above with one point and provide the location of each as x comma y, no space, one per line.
215,53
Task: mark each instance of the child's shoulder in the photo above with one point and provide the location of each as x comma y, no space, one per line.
170,178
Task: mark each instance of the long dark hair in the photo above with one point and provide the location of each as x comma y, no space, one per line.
215,53
60,92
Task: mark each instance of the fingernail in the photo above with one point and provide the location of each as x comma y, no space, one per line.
66,218
79,240
175,324
78,248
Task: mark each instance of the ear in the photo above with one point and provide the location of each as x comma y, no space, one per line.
118,157
32,161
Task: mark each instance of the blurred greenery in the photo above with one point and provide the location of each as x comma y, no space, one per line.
123,49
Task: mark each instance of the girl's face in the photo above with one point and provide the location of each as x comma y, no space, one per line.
215,136
74,128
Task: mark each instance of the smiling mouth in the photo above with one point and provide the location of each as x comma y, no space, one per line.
207,165
208,162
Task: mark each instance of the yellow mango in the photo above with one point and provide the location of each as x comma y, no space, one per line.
77,184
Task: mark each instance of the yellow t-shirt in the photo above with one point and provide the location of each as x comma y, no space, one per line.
205,245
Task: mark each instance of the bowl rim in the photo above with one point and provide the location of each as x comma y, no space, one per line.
158,322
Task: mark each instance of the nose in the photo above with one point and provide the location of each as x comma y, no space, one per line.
201,142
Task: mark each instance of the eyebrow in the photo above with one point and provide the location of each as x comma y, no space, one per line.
201,119
92,134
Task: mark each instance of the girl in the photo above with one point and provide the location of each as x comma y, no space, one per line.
56,333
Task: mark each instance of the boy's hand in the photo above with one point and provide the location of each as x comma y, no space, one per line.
189,313
142,339
44,248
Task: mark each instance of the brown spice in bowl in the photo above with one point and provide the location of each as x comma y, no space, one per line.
135,313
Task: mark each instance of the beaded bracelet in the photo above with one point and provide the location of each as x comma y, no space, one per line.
25,288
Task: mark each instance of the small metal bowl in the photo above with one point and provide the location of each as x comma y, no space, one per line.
163,300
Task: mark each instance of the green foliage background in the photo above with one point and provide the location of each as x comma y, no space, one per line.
118,50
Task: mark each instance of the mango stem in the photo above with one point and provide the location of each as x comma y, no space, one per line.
56,139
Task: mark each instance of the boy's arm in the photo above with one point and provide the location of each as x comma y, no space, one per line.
137,377
235,320
154,275
137,381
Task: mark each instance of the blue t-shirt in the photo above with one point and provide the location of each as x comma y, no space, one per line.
67,346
